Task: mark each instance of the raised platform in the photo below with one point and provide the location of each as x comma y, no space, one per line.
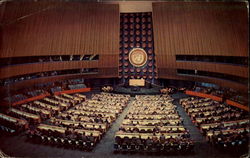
137,90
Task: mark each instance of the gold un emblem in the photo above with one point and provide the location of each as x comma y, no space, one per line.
138,57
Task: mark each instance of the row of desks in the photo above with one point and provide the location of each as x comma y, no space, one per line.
25,114
62,130
225,124
122,134
103,126
151,128
14,120
46,112
239,130
88,113
152,122
152,117
47,106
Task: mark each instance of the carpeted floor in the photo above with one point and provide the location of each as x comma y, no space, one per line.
20,146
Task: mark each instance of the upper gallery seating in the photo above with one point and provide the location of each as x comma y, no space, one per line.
222,92
153,125
84,124
15,98
42,89
223,125
33,93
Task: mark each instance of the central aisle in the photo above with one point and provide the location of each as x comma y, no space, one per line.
188,124
105,147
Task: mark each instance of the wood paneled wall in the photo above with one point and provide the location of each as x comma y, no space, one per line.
47,66
57,28
67,28
200,28
17,9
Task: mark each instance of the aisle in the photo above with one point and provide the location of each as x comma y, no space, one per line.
193,130
105,146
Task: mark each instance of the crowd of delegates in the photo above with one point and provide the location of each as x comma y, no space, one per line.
223,125
82,126
153,125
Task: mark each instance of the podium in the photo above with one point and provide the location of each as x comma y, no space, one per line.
137,82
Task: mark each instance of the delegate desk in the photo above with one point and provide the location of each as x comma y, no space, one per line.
225,124
150,122
62,130
36,118
81,96
158,112
67,96
201,119
119,109
46,106
86,118
151,128
122,134
153,117
56,102
240,130
103,126
23,123
61,99
100,109
45,112
200,109
89,113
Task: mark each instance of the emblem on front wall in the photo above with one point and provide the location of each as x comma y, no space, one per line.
138,57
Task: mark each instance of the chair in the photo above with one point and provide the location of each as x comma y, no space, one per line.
116,146
77,144
42,138
124,147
